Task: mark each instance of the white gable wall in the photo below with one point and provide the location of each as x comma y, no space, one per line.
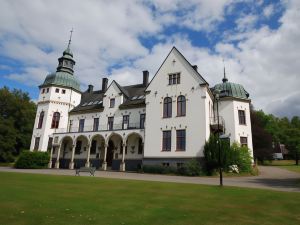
195,122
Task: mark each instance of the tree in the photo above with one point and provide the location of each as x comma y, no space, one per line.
262,139
17,114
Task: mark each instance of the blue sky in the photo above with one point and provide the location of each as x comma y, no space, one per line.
258,40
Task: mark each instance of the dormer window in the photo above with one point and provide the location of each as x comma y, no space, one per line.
112,103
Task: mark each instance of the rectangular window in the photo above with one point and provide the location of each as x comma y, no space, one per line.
244,141
78,147
125,124
96,124
242,117
93,147
47,90
43,91
112,103
174,78
50,141
63,91
36,143
142,121
166,143
141,146
81,125
180,140
57,90
70,125
110,123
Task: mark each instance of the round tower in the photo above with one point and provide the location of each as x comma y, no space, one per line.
234,109
59,93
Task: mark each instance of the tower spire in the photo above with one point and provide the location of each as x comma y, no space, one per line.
70,39
224,78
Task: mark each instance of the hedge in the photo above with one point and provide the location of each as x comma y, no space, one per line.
32,160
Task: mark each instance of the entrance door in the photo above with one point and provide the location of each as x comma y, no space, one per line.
110,153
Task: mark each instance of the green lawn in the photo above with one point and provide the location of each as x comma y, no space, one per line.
47,199
285,164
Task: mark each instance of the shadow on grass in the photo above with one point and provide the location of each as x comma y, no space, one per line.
285,183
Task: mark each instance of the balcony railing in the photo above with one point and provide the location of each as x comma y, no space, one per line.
105,127
214,123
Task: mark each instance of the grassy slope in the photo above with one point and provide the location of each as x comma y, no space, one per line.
47,199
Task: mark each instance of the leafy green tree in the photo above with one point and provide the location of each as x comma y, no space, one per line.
17,114
262,139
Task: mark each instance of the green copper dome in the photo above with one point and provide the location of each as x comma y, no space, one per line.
229,89
61,79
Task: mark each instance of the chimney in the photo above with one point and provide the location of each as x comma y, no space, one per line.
104,84
145,77
90,88
195,67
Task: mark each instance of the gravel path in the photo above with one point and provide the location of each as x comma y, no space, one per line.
270,177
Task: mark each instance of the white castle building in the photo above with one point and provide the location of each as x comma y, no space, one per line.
165,121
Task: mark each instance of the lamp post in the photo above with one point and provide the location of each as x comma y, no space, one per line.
217,97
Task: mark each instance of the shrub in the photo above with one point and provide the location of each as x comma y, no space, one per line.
32,160
240,156
191,168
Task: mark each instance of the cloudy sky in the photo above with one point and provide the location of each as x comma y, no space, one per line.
258,40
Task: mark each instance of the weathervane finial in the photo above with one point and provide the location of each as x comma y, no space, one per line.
71,32
224,78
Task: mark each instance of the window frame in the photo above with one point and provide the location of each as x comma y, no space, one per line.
174,78
81,125
167,107
125,121
166,141
244,141
56,90
41,120
110,123
55,120
36,143
96,124
112,102
242,117
181,106
142,120
181,140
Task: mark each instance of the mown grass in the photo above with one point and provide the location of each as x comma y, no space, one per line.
284,164
48,199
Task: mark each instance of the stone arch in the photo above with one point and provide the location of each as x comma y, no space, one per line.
97,150
133,133
66,145
111,135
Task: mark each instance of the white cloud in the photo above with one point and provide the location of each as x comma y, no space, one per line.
265,61
268,11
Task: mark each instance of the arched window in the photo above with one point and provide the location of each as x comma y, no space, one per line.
167,107
181,105
55,120
41,118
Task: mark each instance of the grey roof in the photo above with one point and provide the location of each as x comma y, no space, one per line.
61,79
93,101
229,89
90,102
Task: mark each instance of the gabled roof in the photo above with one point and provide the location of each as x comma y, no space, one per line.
175,49
90,102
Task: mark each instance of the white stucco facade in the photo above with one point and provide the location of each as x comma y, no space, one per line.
123,127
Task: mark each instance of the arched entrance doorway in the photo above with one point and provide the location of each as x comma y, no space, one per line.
97,151
135,151
114,148
81,148
65,152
